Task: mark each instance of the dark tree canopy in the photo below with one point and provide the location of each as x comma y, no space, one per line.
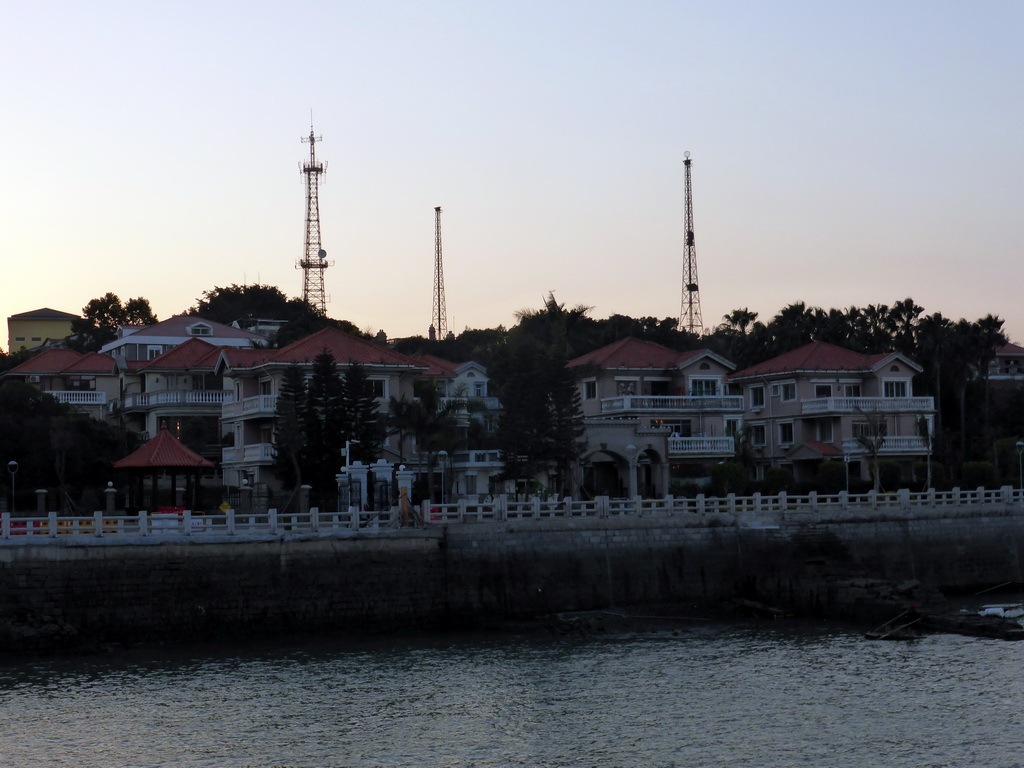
102,316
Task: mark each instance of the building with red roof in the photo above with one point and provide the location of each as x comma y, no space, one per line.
87,381
654,417
822,402
253,380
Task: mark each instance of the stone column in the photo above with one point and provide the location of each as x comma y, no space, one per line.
382,472
360,473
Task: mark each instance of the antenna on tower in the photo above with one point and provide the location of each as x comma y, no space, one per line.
439,314
314,261
689,312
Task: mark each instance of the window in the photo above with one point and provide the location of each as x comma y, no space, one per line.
786,433
732,427
590,390
266,387
825,432
758,434
870,429
200,329
894,388
479,389
823,390
787,391
703,387
757,397
379,387
152,352
625,388
851,390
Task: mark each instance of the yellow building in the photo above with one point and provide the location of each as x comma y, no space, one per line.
28,330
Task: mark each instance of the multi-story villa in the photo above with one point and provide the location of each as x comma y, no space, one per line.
28,330
253,379
653,415
87,381
144,342
822,402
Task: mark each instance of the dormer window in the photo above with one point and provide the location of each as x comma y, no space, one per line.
200,329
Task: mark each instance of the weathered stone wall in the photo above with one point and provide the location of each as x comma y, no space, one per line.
477,572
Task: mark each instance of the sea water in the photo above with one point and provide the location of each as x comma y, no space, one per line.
781,694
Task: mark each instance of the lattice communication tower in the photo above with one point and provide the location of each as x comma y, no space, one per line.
438,314
314,262
689,312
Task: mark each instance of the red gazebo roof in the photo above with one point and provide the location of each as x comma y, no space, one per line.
163,451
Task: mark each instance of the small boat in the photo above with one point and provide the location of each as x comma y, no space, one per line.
1003,610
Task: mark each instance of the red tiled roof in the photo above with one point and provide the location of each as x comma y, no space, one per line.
437,367
634,353
164,450
816,356
53,361
344,347
1011,349
194,353
178,325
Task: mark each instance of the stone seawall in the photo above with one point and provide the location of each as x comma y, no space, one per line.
474,573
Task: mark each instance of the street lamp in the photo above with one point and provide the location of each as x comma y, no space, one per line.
1020,464
442,459
846,461
348,451
12,467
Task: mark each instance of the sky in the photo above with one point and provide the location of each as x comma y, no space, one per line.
844,154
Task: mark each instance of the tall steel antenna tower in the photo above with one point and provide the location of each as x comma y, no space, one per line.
689,312
439,314
314,262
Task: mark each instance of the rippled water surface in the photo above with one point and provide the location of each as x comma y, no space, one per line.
762,695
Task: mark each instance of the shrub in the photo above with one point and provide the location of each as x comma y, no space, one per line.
728,477
776,480
978,474
889,475
831,477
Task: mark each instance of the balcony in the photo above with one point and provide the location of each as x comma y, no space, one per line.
679,447
910,444
249,407
254,453
669,405
196,397
868,405
79,397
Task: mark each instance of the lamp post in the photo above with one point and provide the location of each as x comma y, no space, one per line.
348,452
442,459
12,467
846,463
1020,464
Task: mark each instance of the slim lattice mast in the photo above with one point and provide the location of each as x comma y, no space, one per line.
689,313
314,262
439,314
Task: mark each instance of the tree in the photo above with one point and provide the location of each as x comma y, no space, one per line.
289,428
103,316
431,421
359,420
323,422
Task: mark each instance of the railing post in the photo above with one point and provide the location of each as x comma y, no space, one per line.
314,519
186,521
143,523
812,500
700,504
51,519
757,503
462,510
567,502
272,519
501,507
844,501
781,498
97,524
536,507
873,498
229,520
904,497
602,506
5,525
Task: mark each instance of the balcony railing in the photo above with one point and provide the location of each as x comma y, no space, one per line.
260,405
175,397
667,404
868,405
701,446
76,397
890,445
254,453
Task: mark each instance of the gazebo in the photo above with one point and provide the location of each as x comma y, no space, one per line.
163,453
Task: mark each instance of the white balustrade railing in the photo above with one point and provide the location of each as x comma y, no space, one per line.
753,511
732,403
868,405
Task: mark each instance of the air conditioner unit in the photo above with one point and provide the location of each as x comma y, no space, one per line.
32,379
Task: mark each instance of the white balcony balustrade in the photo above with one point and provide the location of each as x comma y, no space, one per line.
701,446
672,404
196,397
890,445
77,397
868,405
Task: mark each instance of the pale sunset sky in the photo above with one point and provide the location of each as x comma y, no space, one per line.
843,154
